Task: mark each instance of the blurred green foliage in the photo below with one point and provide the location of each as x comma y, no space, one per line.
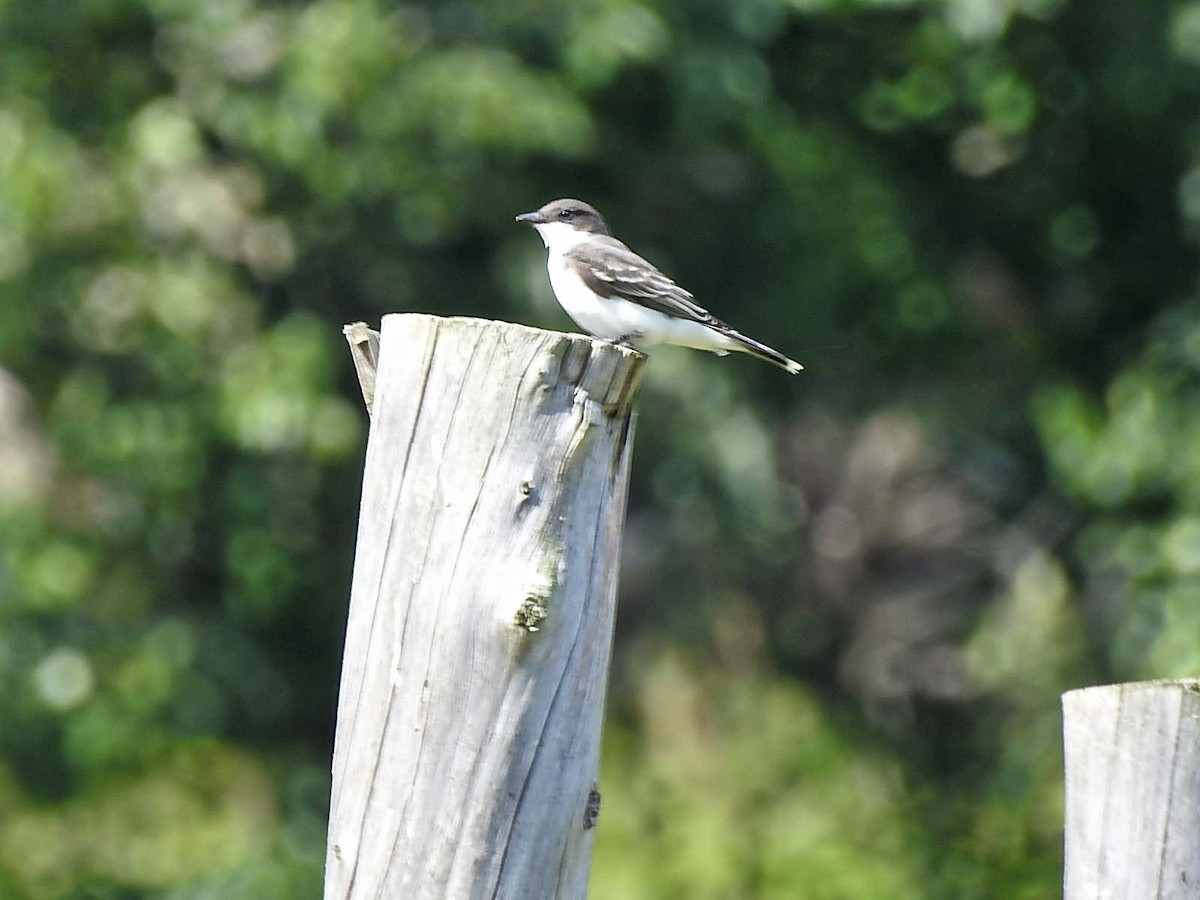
849,601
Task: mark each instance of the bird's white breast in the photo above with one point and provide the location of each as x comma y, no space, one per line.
590,312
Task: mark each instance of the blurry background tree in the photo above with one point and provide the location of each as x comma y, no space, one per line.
850,600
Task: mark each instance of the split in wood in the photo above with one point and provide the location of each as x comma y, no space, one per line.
364,348
591,812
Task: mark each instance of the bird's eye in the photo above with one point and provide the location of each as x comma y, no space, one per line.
566,213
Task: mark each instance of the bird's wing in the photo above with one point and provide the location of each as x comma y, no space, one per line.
611,269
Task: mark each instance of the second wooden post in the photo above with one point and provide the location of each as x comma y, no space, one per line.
1133,791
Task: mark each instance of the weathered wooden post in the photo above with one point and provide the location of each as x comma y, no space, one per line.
1133,791
481,611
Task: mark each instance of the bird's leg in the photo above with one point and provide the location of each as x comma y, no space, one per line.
626,340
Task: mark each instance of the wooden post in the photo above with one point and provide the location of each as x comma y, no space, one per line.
481,611
1133,791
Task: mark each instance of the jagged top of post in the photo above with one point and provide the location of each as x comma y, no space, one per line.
608,373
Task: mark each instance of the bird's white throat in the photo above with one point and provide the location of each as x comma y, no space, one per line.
559,237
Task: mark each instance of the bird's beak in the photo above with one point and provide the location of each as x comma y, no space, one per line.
533,218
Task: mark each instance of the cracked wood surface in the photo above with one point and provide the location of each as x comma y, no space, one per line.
481,612
1133,791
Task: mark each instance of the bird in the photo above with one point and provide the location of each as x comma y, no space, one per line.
614,294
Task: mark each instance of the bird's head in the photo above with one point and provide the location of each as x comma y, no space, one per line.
564,223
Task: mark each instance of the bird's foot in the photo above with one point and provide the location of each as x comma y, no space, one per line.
626,340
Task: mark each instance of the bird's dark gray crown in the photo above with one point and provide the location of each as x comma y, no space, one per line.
579,215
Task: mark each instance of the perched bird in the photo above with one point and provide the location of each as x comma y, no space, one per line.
614,294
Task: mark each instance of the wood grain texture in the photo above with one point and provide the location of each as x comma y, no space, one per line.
1132,791
481,613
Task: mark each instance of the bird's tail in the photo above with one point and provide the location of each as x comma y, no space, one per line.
762,351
